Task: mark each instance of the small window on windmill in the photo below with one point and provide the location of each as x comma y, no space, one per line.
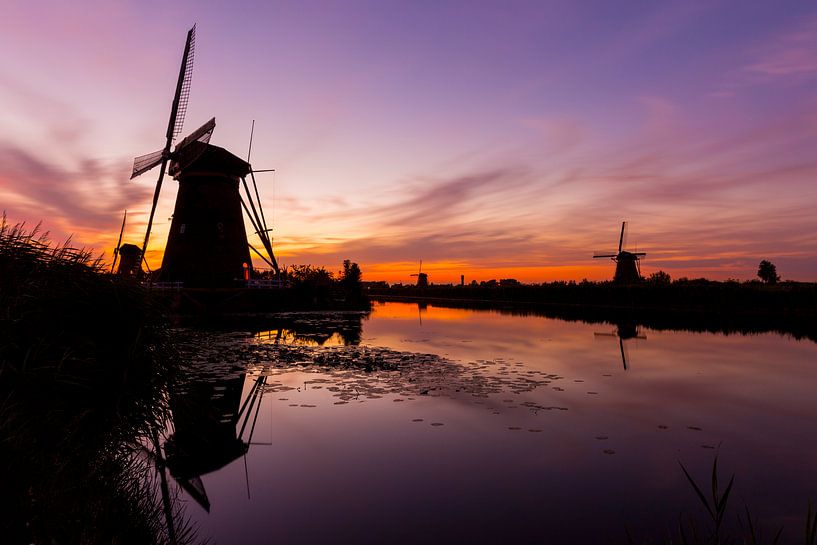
182,228
220,227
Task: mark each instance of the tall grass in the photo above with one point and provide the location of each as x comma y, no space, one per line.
85,362
715,503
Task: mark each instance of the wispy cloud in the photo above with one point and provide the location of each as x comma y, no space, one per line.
792,54
88,199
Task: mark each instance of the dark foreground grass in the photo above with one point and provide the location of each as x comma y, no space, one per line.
84,366
713,528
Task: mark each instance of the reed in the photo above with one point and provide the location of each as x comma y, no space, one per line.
85,364
714,531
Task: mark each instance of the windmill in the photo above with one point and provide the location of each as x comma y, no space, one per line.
628,267
422,278
624,332
128,255
207,243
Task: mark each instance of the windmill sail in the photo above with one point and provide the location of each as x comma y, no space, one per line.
191,148
182,98
143,163
174,127
119,243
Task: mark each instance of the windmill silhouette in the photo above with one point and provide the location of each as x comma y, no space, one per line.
628,267
207,243
422,278
128,255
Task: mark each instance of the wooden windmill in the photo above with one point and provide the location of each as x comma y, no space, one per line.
628,267
207,243
422,278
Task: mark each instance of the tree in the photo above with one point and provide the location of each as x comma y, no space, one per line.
349,279
768,272
351,274
660,277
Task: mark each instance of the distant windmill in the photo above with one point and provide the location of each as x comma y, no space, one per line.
207,244
128,255
624,332
422,278
628,267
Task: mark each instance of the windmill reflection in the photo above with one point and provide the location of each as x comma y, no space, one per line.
210,423
421,309
624,331
214,420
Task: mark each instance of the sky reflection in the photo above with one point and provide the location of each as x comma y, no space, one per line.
530,426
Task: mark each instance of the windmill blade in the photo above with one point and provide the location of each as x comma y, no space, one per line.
118,244
192,147
143,163
202,134
182,96
624,353
621,238
597,255
153,208
174,125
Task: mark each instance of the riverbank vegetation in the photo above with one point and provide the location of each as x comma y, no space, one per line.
85,362
656,293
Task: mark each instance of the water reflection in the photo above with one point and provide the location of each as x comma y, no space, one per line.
623,332
313,329
483,427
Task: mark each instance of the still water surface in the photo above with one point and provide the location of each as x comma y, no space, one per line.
489,428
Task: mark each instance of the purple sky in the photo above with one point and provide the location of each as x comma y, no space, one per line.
509,139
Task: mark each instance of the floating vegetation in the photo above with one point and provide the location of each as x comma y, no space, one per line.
357,372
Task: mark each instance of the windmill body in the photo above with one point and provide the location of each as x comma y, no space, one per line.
207,244
129,260
628,266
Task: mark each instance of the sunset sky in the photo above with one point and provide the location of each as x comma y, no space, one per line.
490,139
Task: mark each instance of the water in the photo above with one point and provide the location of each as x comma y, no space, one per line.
423,424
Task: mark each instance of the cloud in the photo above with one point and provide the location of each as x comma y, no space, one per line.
700,202
792,54
87,199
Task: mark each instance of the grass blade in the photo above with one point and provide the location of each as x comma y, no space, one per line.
698,491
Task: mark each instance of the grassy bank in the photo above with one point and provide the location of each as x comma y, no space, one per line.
84,364
686,295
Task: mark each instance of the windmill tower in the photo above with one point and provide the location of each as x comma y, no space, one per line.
628,267
422,278
207,243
